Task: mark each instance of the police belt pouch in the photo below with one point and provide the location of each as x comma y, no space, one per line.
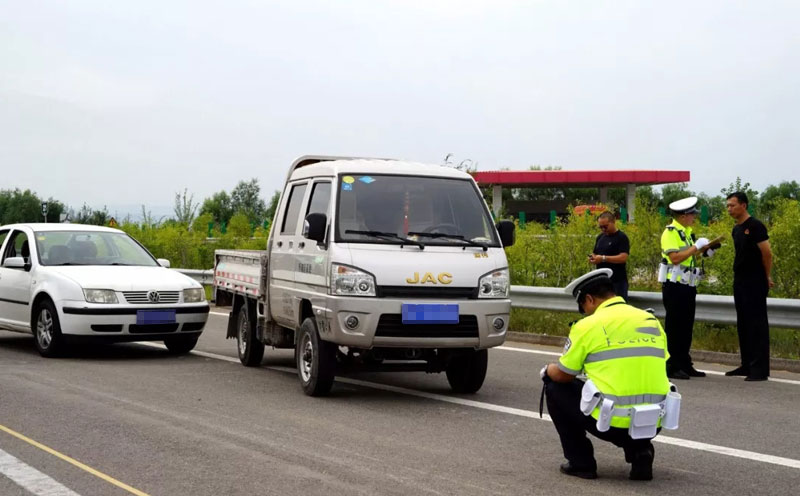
644,421
590,397
672,411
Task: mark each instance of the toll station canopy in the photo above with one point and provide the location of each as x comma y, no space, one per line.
601,179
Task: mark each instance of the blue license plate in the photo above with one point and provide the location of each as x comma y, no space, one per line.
144,317
427,313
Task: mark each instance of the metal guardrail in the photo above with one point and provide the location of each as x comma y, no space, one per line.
783,312
204,277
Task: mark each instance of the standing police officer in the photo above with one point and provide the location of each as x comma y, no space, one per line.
679,276
622,350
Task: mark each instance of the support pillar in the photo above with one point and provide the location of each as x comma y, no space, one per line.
630,199
497,200
604,195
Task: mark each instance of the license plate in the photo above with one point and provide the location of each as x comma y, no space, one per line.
144,317
428,313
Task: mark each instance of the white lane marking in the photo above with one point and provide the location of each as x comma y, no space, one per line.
711,372
684,443
219,313
31,479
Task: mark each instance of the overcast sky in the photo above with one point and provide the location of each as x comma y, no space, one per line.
113,103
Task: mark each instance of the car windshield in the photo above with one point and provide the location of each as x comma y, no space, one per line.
432,210
90,248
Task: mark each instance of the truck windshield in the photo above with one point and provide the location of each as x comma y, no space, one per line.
433,210
90,248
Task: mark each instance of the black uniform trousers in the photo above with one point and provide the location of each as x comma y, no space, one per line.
563,404
621,288
679,303
752,326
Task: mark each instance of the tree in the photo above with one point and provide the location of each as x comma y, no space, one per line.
246,198
673,192
185,208
752,195
648,196
219,206
88,215
19,206
273,206
789,190
239,226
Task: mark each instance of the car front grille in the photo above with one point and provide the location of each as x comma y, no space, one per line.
439,293
139,297
391,325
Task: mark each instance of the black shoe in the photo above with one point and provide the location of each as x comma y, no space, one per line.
677,374
693,372
583,473
737,371
642,465
754,378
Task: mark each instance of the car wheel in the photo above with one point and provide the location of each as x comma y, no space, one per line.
467,371
251,350
316,360
181,345
47,330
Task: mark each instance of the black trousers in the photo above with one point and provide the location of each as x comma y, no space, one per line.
563,404
621,288
679,303
752,326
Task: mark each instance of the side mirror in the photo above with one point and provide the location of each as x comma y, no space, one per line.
507,231
163,262
315,226
15,263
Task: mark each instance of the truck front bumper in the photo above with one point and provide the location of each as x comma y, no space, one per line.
380,324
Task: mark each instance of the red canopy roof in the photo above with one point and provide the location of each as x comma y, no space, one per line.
576,178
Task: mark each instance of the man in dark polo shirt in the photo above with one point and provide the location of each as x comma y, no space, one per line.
752,267
611,249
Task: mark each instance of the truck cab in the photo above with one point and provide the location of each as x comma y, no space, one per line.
380,263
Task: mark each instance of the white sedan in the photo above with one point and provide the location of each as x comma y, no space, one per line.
69,282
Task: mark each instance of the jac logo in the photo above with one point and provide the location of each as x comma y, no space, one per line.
427,278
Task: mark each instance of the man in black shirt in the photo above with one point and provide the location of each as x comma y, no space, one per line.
611,249
752,266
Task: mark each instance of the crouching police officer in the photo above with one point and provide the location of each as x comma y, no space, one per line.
627,397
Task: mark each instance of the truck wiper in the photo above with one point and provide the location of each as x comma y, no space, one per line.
457,237
388,235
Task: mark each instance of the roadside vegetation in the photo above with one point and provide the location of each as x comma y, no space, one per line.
544,255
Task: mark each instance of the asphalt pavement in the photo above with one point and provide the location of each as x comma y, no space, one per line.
132,419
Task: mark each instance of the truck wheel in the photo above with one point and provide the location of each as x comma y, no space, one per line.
466,371
47,330
251,350
316,360
181,345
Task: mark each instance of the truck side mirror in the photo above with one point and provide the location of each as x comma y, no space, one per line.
507,232
315,226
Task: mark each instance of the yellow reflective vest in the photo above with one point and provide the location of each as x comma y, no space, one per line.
623,350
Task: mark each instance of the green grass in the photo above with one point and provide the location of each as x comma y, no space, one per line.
784,343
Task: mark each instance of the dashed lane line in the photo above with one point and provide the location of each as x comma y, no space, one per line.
31,479
684,443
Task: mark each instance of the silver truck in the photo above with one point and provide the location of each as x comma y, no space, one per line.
373,264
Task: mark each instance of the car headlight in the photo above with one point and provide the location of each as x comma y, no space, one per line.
100,296
495,284
349,281
194,295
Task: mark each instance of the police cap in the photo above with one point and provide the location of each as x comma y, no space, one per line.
684,206
577,285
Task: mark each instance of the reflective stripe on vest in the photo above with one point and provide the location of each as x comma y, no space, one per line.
636,399
653,331
640,351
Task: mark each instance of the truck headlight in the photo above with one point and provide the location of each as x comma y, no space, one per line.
349,281
495,284
100,296
194,295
